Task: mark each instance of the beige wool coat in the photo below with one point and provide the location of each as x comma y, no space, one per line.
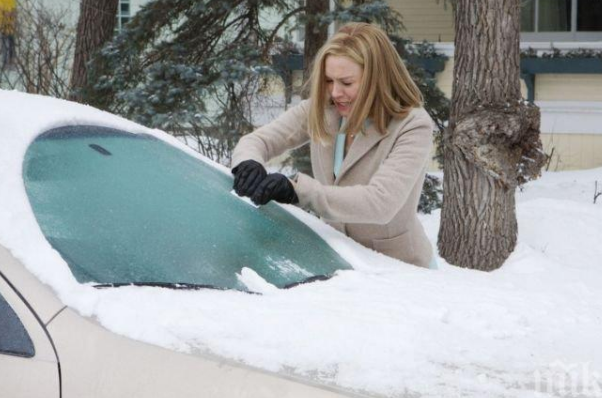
375,196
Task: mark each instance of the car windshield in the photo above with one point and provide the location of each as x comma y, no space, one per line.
126,208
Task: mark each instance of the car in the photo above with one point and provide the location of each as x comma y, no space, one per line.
100,203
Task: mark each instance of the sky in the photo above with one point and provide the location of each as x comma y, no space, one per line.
529,329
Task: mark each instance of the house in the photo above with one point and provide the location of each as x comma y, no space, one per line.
567,90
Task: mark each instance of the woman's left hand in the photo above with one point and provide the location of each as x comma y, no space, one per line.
276,187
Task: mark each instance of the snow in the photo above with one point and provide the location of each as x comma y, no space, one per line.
530,329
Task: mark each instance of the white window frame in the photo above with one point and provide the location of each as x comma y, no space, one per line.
572,35
120,15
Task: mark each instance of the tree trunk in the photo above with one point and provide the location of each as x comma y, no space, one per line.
315,35
492,143
95,27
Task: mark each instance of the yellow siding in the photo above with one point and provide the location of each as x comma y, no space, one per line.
445,80
568,151
573,151
567,87
430,20
273,86
297,79
433,165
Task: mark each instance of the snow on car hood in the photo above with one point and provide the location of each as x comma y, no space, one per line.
385,327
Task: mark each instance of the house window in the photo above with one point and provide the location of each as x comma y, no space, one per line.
589,15
568,20
123,14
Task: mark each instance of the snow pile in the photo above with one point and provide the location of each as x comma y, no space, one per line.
531,328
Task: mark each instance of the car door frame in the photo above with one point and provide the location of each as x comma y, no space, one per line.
40,374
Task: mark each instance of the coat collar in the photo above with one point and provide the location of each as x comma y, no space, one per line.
360,146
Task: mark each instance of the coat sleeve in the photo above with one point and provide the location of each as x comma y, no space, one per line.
288,131
388,189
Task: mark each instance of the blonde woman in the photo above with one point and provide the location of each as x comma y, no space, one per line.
370,142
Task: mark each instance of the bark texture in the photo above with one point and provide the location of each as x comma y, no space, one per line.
95,27
316,35
492,143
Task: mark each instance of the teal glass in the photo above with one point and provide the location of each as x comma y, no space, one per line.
123,208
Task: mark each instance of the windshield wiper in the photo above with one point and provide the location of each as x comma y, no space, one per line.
309,280
196,286
167,285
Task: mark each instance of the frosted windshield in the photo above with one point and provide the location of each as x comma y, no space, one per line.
126,208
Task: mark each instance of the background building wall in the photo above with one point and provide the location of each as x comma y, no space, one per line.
571,104
568,87
430,20
571,111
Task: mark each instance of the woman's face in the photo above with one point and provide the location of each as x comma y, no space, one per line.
343,78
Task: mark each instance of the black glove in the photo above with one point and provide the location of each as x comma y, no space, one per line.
247,176
275,187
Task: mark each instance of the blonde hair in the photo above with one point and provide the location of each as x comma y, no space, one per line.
386,90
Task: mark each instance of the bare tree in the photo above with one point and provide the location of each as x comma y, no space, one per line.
492,143
316,34
43,51
95,27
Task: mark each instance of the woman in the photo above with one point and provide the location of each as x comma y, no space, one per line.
370,142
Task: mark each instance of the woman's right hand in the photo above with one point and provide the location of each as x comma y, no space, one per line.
247,177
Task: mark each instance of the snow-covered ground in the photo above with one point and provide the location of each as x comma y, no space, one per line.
530,329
